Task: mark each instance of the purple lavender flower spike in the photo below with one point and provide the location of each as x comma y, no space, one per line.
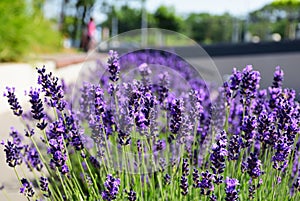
217,157
184,185
94,162
167,179
13,153
254,166
185,167
37,108
36,104
33,159
280,158
231,189
163,87
29,132
44,186
249,84
13,101
278,78
235,79
113,66
196,178
74,132
131,195
111,188
56,136
234,147
52,89
27,189
248,126
17,138
176,112
206,183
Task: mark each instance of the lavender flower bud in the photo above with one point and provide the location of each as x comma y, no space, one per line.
36,104
278,78
44,186
33,159
113,66
217,157
206,184
13,154
254,166
231,191
111,188
131,195
13,101
53,91
184,185
27,189
167,179
196,178
185,167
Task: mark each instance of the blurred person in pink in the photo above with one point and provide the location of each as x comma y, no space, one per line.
91,31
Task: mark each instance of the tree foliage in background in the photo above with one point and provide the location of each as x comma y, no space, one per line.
24,31
280,16
208,29
166,18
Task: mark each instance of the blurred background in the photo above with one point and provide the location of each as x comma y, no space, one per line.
45,26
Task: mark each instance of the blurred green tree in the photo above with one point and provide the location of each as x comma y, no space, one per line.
166,18
24,31
207,28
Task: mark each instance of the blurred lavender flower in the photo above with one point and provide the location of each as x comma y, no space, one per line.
163,87
33,159
131,195
167,179
231,189
94,162
17,138
111,188
13,101
27,189
145,72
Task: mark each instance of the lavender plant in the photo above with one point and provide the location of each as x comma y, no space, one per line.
147,140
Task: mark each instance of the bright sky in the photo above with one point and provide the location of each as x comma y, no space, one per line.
235,7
